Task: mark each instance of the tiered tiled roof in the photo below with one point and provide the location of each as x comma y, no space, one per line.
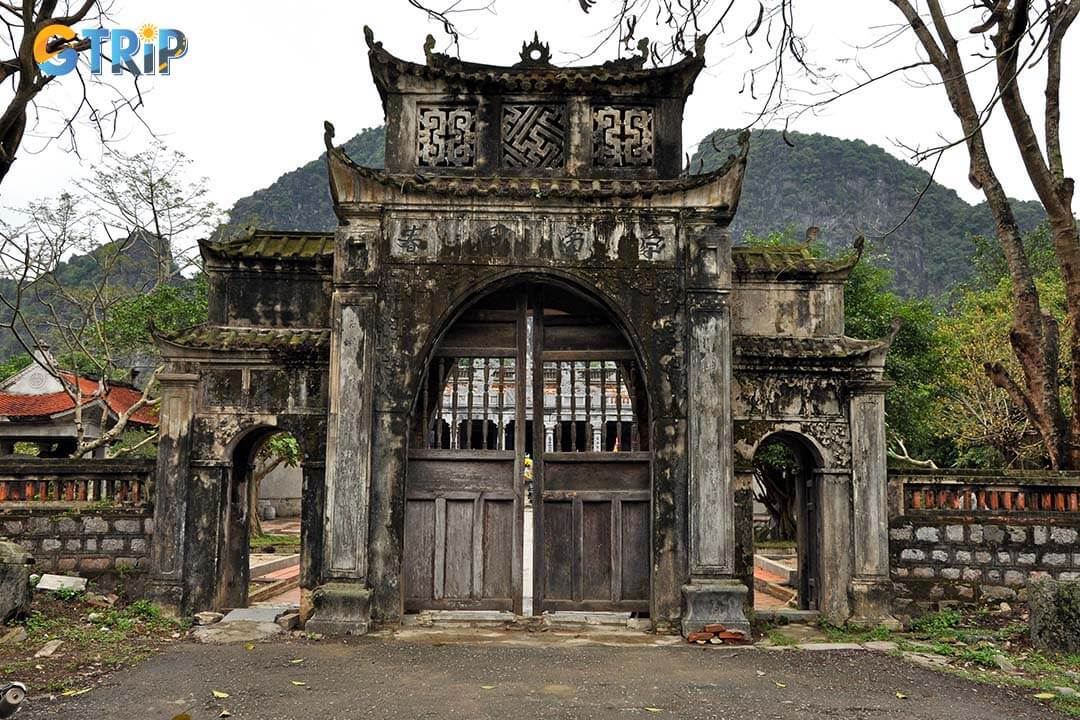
254,243
791,262
120,398
534,75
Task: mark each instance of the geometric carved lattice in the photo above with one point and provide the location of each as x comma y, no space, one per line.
446,136
533,135
622,136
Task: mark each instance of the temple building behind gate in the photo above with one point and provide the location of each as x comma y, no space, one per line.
530,307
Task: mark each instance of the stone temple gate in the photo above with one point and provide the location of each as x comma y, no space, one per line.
530,322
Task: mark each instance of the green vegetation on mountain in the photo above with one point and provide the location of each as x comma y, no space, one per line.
843,187
849,187
300,199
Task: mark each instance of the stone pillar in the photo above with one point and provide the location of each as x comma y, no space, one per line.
714,594
341,605
834,574
870,586
171,479
312,513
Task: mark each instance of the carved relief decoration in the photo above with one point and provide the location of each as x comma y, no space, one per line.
533,135
622,136
446,136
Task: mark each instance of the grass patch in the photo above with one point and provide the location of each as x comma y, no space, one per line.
266,542
95,640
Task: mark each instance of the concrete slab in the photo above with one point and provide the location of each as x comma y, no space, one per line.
828,646
61,582
254,614
885,646
246,631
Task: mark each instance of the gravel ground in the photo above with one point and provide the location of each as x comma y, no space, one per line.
382,678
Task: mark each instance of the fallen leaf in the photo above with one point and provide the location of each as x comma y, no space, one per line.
297,661
225,713
761,673
73,693
487,687
901,695
249,646
182,716
1045,696
779,684
299,683
653,710
220,695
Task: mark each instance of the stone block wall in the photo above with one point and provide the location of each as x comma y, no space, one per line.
960,537
88,542
103,538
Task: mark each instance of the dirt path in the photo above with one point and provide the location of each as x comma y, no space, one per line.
380,678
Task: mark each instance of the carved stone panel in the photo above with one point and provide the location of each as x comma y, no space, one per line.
534,135
446,136
622,136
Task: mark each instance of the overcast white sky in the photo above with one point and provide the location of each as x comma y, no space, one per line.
248,101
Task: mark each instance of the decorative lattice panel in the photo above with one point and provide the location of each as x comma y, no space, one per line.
533,135
446,136
622,136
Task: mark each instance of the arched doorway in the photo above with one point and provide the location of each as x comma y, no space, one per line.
254,456
787,526
532,400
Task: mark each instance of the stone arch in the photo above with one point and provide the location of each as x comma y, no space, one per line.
801,488
506,278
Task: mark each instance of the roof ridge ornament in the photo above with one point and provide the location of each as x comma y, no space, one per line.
535,53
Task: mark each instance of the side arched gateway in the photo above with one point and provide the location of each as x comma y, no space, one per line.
528,483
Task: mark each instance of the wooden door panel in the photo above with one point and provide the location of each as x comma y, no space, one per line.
419,570
635,550
559,551
596,559
458,578
498,578
459,532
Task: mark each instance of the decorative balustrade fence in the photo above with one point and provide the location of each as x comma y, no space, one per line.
969,536
113,482
91,517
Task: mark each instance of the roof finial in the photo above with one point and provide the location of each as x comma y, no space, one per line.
535,52
328,135
429,46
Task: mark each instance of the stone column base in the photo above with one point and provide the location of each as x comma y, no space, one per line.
871,603
169,595
708,601
340,608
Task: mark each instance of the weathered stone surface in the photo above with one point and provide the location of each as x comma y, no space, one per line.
15,592
207,618
1054,608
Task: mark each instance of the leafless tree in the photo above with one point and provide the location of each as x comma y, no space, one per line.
141,205
99,102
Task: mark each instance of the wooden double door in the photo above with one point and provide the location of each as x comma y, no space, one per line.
531,412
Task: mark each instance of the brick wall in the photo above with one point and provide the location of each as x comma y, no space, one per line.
963,537
100,527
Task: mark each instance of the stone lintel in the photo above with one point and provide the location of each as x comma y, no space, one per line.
714,600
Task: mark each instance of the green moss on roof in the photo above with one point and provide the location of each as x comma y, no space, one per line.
786,260
253,243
